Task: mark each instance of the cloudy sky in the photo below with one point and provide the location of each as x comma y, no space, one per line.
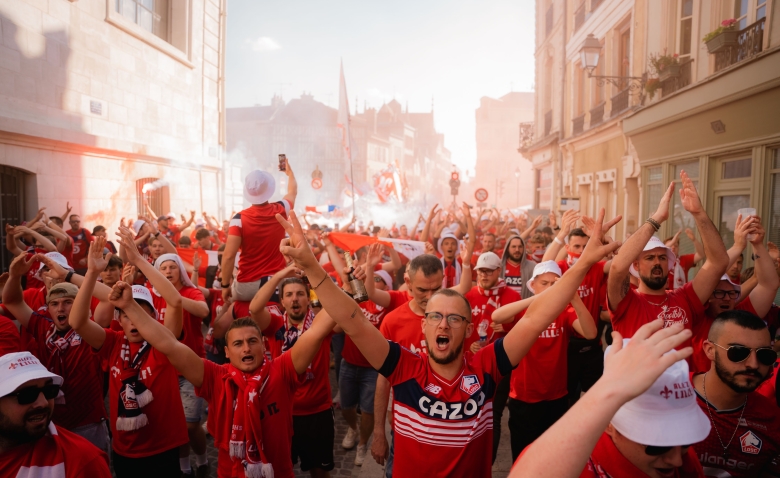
451,51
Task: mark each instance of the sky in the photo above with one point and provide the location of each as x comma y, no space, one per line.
446,52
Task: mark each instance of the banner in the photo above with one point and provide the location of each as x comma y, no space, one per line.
353,242
207,258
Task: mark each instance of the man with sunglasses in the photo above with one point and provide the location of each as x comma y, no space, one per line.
81,238
726,295
30,444
745,435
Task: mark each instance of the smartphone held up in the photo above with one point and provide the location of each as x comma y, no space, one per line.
282,162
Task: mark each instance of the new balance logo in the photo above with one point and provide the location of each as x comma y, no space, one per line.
434,389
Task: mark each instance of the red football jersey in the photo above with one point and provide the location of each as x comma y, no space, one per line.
313,396
172,233
541,375
756,443
591,287
193,334
82,375
482,308
444,428
81,239
275,418
166,428
405,327
679,306
9,337
513,276
375,314
261,234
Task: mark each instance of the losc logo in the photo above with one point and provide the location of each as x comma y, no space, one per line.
470,384
750,442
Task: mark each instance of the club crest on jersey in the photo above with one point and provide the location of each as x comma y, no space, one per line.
470,384
750,442
434,389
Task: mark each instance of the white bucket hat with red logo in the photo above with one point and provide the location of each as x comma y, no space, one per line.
20,367
666,414
541,268
655,243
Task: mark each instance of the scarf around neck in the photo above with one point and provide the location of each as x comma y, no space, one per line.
679,275
493,291
246,435
458,272
133,394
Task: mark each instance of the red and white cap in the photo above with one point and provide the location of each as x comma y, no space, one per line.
655,243
20,367
666,414
488,260
56,257
259,186
142,293
541,268
737,287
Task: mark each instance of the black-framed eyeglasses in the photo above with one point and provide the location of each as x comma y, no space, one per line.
378,279
740,353
28,395
660,450
719,294
453,320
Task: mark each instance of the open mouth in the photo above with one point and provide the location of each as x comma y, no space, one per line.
62,319
134,331
442,342
664,472
37,417
248,358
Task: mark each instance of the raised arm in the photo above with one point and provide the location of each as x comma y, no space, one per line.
93,333
292,185
11,242
427,229
563,450
160,337
339,305
68,209
379,297
763,294
228,263
58,272
222,323
618,281
697,246
308,344
257,308
149,209
45,242
551,302
466,253
188,222
395,261
584,325
530,230
743,227
506,313
13,298
568,219
717,261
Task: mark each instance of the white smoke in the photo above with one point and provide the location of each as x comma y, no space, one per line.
155,185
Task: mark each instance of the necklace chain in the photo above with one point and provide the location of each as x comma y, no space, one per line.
707,402
666,297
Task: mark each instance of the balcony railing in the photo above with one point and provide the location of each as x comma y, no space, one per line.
597,115
670,85
578,125
547,122
750,42
579,17
548,21
619,102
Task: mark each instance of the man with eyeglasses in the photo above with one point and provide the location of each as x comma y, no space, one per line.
745,435
30,444
443,402
726,295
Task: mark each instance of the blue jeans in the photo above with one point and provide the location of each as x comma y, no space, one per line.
357,386
337,345
389,463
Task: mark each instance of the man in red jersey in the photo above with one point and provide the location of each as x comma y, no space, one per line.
651,261
678,275
31,444
516,267
255,232
745,436
442,402
63,351
727,294
81,238
313,420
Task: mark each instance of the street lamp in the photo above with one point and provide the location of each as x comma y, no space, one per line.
590,51
517,187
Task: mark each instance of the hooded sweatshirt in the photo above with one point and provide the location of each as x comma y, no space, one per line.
519,284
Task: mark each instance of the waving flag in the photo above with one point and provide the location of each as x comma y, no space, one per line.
322,209
353,242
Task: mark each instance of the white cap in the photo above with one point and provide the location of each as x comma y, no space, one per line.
200,223
165,216
142,293
259,186
737,287
385,277
541,268
184,277
488,260
56,257
666,414
655,243
20,367
137,225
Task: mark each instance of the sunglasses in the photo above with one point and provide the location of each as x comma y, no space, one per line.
740,353
28,395
660,450
719,294
378,279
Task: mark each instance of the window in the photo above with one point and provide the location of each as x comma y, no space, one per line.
773,224
740,12
624,53
749,11
151,15
12,195
655,188
155,192
739,168
685,34
544,187
680,219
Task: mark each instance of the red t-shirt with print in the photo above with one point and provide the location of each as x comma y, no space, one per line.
482,308
193,334
261,234
591,287
313,396
404,327
167,428
375,314
276,418
541,375
81,239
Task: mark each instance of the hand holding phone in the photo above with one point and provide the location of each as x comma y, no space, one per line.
282,162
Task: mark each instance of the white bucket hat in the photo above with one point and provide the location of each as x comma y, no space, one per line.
56,257
185,278
666,414
385,277
541,268
259,186
446,235
137,225
655,243
20,367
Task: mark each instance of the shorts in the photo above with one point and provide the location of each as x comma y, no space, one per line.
245,291
313,437
357,386
193,404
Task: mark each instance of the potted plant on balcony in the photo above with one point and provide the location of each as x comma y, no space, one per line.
652,86
666,66
723,37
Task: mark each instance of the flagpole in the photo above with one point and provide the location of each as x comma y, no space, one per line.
347,134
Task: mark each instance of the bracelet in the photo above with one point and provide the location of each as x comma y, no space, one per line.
67,277
558,240
656,225
224,286
323,280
